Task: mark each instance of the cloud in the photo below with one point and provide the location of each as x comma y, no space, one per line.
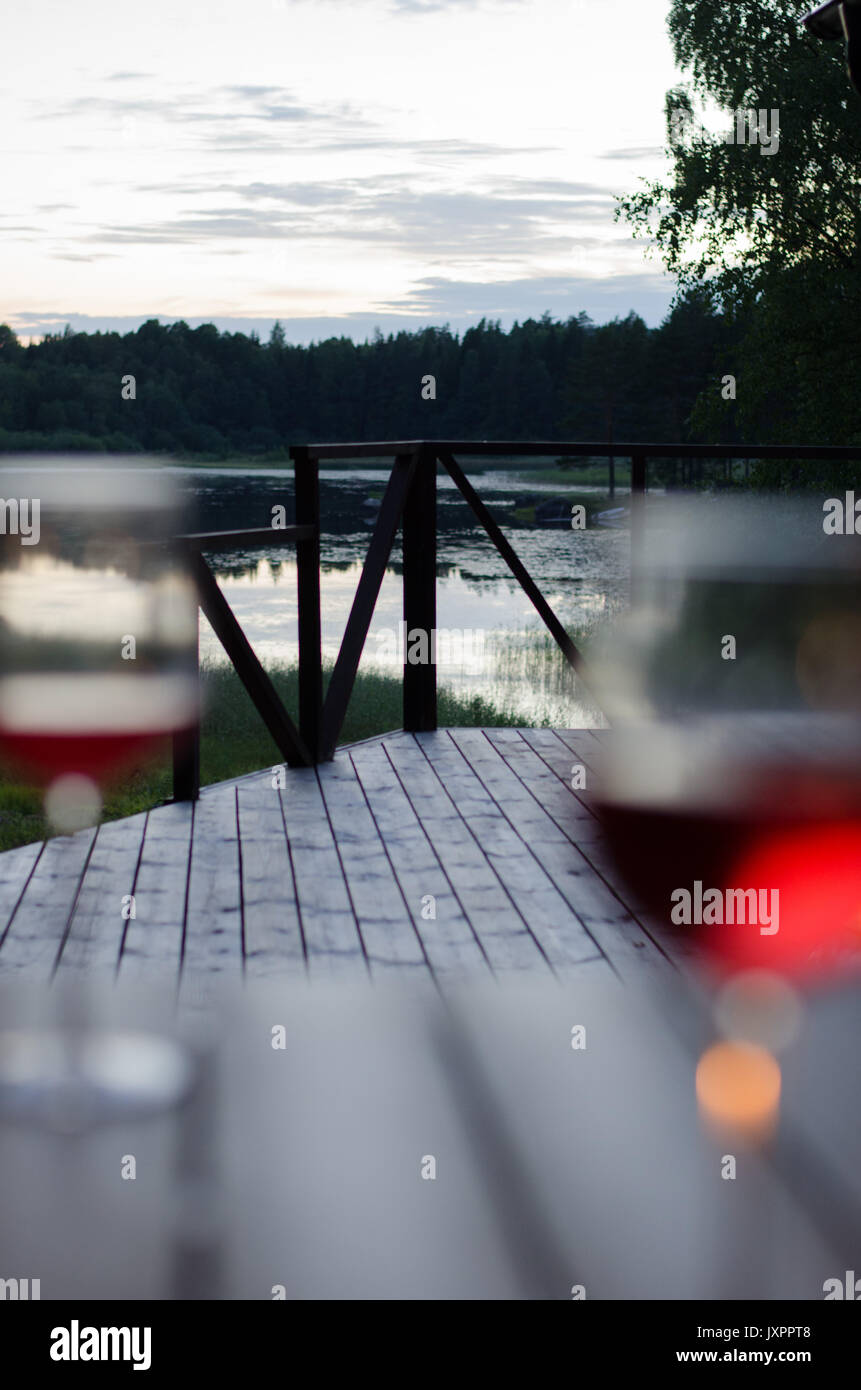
439,298
508,217
218,106
635,152
434,301
431,6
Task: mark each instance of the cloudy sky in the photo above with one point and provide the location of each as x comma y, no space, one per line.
336,164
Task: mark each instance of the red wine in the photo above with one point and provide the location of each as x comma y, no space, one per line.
812,863
88,723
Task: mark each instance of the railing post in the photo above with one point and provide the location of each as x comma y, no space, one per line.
186,764
186,749
419,554
638,513
307,488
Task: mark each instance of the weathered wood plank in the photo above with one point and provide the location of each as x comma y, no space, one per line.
273,939
153,938
567,747
623,938
596,849
96,929
557,928
550,853
212,940
332,939
501,927
16,867
39,924
449,941
551,765
384,920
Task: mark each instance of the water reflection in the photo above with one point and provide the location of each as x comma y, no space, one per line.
583,574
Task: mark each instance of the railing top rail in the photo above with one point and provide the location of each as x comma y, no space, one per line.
386,449
542,448
256,535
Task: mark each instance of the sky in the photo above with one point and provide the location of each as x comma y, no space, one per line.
339,165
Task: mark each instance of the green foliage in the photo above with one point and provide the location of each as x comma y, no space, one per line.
773,240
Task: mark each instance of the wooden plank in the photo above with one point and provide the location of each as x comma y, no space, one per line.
548,848
449,941
362,610
583,744
561,756
273,942
384,920
622,936
555,747
96,929
153,938
332,939
501,929
37,929
212,940
551,766
16,867
450,813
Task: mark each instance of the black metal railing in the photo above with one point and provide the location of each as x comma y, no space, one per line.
409,502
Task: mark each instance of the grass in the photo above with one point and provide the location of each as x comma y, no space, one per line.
234,740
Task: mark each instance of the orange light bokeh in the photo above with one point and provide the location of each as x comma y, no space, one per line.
738,1090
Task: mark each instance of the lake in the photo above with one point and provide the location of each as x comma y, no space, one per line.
491,637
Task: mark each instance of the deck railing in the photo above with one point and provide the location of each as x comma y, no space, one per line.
409,502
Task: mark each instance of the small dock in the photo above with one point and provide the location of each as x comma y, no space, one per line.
452,853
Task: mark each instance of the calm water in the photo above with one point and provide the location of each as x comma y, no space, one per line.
492,648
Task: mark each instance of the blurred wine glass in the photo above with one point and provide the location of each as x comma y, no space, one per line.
734,690
98,627
98,667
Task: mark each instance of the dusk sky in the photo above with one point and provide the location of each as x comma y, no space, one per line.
339,165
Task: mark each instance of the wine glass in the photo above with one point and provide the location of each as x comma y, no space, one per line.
733,689
98,627
98,667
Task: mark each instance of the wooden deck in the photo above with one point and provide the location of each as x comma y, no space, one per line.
424,855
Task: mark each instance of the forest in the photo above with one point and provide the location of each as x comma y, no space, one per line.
201,393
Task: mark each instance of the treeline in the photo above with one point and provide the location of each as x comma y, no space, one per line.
206,393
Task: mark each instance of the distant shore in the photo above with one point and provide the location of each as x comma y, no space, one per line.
594,473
